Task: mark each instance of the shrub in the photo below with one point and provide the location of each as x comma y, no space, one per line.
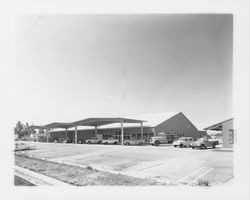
203,183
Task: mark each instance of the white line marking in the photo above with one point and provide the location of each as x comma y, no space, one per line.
200,176
194,172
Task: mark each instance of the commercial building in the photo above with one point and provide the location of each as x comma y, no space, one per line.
227,129
171,124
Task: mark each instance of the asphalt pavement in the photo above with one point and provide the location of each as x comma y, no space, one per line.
166,163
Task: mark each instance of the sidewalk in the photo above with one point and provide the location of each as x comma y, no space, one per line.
223,149
37,179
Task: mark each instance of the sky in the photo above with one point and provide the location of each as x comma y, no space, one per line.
69,67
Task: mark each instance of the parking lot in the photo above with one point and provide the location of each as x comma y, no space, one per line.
165,163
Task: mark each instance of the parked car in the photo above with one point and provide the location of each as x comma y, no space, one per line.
110,141
93,140
19,146
183,142
204,143
134,142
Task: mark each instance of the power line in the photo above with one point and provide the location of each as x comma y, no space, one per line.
29,29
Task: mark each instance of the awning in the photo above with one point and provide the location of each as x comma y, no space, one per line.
87,122
104,121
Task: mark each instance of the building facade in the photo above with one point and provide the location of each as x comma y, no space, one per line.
228,133
173,125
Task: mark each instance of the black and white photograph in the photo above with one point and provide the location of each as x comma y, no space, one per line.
124,100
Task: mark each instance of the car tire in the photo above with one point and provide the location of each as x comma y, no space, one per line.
140,143
115,142
105,143
127,143
192,147
202,146
175,146
88,142
157,143
181,145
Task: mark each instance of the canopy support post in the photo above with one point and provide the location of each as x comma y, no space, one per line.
141,131
95,130
75,134
122,132
66,130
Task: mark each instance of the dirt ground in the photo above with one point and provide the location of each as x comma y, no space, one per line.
80,176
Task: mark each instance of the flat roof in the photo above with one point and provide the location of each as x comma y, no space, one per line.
104,121
88,122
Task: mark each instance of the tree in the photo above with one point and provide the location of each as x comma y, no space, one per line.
19,129
23,130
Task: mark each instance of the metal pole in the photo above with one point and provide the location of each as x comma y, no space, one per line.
122,131
66,130
141,131
47,134
75,134
96,131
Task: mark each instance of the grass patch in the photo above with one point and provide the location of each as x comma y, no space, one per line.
80,176
204,183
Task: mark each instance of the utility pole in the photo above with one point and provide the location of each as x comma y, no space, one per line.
123,90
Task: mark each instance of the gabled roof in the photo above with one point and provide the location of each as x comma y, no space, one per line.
151,120
217,127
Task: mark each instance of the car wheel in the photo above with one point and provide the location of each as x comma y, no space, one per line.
115,142
105,143
157,143
202,146
175,146
126,143
181,145
213,146
88,142
140,143
192,147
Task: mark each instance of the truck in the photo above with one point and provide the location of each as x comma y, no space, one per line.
204,143
93,140
134,142
110,141
183,142
162,138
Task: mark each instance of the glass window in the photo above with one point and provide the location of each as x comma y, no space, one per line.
231,136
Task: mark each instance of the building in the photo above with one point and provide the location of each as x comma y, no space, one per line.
227,129
171,124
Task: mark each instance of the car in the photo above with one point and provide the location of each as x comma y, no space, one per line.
134,142
20,146
110,141
204,143
93,140
183,142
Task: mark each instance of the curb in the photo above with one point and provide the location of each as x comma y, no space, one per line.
103,169
38,179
